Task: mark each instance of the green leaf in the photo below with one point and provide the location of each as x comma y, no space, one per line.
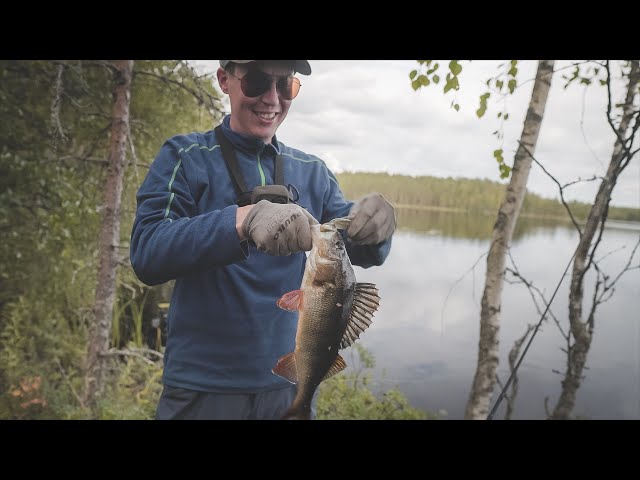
499,84
436,79
457,107
513,71
504,171
416,84
481,111
512,85
413,74
455,67
499,114
506,116
603,82
448,86
424,80
498,155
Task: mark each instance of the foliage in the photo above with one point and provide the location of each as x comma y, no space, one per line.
52,167
132,392
41,351
348,396
502,85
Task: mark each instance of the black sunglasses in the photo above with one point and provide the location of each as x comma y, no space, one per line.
256,82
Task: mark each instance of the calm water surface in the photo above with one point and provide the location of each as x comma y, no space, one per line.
425,335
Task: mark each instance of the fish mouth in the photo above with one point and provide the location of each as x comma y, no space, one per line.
328,227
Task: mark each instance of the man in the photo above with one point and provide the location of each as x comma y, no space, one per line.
232,261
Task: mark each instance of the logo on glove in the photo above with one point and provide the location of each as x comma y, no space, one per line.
284,225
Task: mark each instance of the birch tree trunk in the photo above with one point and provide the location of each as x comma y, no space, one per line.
583,331
98,343
488,352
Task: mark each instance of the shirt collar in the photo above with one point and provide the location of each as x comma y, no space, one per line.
247,143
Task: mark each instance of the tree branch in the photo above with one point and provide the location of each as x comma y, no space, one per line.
623,143
444,304
55,104
203,97
66,379
560,69
134,158
137,352
628,265
584,136
560,187
532,288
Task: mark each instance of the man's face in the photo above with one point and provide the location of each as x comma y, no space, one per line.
259,116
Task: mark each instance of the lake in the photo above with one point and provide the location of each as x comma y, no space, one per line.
425,335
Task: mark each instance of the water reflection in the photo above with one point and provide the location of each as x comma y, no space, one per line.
428,347
466,225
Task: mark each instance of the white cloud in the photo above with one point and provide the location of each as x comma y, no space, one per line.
364,116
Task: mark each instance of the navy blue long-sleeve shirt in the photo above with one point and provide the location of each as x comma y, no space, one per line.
225,332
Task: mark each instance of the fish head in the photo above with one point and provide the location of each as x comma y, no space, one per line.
327,256
327,242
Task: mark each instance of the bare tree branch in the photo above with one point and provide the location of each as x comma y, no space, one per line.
531,287
581,180
134,158
66,379
101,161
608,287
560,188
611,253
582,329
555,70
513,358
455,284
601,226
199,93
112,352
623,143
628,266
57,129
584,136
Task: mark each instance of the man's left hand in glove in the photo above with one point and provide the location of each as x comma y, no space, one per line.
373,220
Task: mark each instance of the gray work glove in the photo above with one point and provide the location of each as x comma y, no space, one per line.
373,220
279,229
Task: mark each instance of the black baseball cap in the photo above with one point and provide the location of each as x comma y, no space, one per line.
300,66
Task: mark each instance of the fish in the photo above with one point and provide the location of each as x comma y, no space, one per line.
333,311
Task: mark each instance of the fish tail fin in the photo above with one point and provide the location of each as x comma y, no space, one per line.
297,413
299,410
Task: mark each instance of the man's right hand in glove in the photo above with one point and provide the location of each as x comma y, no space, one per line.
275,228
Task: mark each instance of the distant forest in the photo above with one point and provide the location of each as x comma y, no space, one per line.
462,194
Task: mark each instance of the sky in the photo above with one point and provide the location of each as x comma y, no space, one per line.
363,115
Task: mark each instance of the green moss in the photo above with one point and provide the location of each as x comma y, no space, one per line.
348,396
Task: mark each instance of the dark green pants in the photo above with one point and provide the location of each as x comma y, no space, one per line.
181,404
